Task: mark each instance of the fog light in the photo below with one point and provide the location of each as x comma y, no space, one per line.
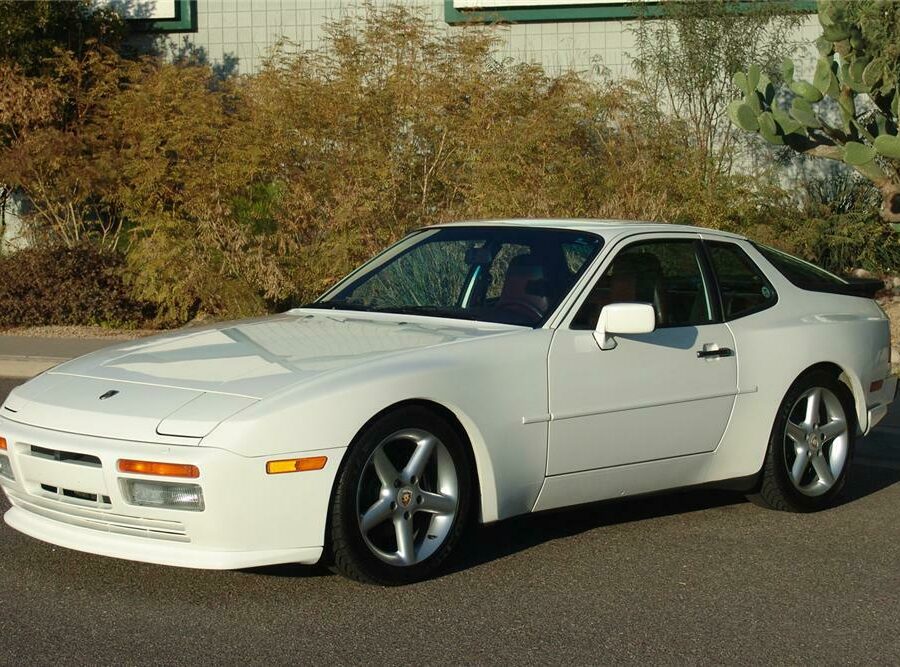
170,495
6,468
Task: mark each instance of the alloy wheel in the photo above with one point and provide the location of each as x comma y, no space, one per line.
407,497
816,441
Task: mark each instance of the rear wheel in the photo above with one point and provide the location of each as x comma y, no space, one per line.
810,446
402,499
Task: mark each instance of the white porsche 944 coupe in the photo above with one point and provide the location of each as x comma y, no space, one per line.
472,371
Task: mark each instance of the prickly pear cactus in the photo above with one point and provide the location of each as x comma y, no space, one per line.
858,78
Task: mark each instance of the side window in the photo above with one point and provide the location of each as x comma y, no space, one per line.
743,286
666,273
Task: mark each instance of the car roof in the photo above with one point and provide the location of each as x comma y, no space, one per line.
606,228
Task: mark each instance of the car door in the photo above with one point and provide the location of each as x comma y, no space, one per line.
654,396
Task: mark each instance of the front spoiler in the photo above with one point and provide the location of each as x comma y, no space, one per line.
146,551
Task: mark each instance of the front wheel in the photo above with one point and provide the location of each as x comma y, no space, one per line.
402,499
810,446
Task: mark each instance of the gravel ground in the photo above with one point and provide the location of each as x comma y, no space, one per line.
79,332
892,308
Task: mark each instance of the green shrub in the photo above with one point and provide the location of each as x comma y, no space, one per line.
80,285
837,227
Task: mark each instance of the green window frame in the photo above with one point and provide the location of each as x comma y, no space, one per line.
185,20
600,12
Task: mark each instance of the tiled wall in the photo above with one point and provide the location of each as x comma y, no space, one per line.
247,29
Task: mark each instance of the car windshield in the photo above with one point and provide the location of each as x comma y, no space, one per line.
511,275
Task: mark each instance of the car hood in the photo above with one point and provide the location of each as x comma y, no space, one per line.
184,384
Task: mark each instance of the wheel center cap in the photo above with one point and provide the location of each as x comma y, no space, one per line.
814,441
404,497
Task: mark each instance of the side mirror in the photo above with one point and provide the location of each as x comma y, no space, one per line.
623,318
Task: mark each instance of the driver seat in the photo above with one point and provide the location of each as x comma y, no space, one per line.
638,277
524,288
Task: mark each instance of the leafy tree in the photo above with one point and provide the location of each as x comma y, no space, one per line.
31,32
54,152
849,111
26,103
687,53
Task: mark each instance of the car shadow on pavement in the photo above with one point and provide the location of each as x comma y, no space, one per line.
483,544
490,542
486,543
866,478
290,570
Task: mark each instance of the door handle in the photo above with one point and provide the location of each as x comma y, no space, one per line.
719,352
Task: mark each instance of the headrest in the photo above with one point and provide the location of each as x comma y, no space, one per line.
636,263
526,265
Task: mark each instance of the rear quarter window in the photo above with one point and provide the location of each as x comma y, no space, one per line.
801,273
742,284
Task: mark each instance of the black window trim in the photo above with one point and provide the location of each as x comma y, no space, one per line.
712,279
707,243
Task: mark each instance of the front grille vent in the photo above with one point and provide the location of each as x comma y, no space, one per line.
65,457
57,507
78,495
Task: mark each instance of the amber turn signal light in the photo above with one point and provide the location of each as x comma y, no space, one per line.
3,443
296,465
159,469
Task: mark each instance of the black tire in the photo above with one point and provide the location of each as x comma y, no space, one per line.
351,555
776,489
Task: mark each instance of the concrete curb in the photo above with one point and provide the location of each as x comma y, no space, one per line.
26,367
23,357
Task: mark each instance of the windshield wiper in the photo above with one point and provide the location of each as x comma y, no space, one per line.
339,304
434,311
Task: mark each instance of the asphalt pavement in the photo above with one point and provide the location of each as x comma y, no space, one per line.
698,577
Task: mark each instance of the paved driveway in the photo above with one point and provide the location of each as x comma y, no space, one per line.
693,577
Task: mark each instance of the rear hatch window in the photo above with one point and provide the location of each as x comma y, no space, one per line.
811,277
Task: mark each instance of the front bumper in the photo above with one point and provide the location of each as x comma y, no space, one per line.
250,518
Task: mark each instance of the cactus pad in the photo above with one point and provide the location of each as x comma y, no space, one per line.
888,145
857,154
743,116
